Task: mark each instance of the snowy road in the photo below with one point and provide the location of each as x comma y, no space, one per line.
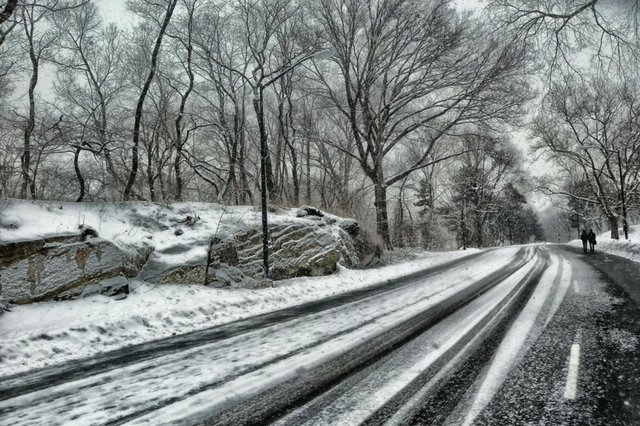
373,356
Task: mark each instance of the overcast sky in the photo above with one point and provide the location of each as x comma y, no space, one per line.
114,11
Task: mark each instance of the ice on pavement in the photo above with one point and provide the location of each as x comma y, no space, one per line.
511,347
355,405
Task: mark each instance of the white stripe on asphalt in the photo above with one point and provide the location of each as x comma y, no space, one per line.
572,375
576,287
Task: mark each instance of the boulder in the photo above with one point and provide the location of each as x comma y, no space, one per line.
369,249
112,287
167,265
222,249
308,211
55,268
348,254
195,273
222,269
134,260
229,276
350,226
299,248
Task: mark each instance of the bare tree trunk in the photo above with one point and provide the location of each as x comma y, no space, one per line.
308,171
183,102
382,218
271,182
27,181
150,176
613,225
143,95
79,174
178,171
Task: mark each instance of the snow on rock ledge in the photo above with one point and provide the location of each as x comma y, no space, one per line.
221,247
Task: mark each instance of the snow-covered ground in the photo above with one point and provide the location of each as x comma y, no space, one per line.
49,333
185,387
629,249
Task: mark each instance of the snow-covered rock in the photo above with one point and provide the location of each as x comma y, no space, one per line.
308,211
219,246
55,268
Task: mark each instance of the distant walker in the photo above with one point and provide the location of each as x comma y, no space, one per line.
584,237
592,240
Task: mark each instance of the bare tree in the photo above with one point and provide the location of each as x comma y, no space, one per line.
183,36
592,133
240,47
150,10
412,69
10,150
490,164
87,48
223,61
38,41
608,31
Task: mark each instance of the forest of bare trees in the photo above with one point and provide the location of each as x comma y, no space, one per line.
405,126
588,122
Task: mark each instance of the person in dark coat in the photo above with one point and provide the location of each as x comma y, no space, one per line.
584,237
592,240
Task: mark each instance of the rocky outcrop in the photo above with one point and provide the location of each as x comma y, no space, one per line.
117,287
71,266
360,249
300,248
224,262
161,266
134,260
55,268
185,274
368,248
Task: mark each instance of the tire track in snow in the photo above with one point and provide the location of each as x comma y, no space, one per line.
511,347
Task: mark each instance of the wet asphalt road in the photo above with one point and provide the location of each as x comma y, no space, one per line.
498,352
599,313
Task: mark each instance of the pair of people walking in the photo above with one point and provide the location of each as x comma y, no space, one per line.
590,238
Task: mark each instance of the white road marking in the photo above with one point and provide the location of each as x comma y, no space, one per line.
572,376
576,287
